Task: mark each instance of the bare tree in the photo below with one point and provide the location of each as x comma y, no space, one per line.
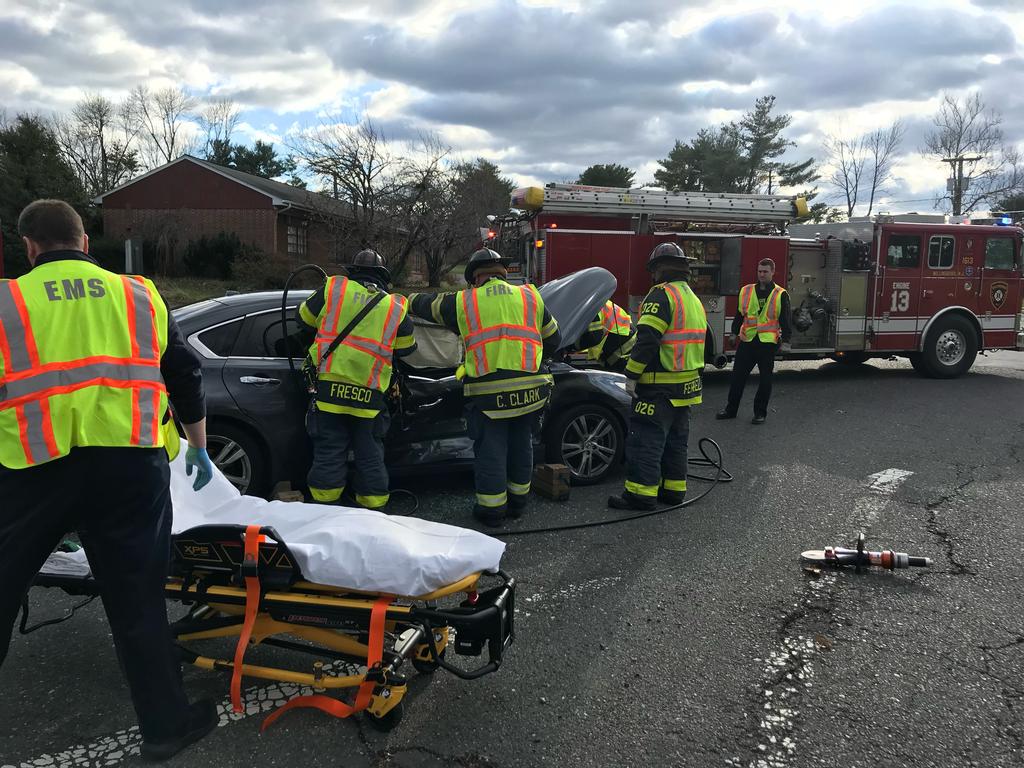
863,165
218,120
376,192
164,121
99,141
882,146
968,135
847,158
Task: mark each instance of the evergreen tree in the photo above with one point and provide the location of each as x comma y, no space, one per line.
610,175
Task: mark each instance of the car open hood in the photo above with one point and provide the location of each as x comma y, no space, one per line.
574,300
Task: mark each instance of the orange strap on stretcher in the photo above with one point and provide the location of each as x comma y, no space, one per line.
374,655
250,561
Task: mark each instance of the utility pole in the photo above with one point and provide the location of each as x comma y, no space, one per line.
956,186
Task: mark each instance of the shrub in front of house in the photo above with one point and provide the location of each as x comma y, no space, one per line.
216,255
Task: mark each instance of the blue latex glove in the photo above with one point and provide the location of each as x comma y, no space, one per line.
199,459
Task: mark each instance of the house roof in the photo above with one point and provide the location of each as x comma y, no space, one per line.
280,194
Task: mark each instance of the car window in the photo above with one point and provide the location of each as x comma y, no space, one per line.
261,336
221,338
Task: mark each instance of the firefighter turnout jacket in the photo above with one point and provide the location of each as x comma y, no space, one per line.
610,336
355,376
762,313
507,331
84,357
669,351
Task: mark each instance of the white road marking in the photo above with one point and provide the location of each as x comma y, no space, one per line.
789,668
110,751
542,597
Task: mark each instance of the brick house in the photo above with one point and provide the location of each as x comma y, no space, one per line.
188,198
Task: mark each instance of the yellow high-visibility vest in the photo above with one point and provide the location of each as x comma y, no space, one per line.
80,351
763,322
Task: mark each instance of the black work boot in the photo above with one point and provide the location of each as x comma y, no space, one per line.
671,497
202,719
517,504
627,500
758,418
492,517
725,413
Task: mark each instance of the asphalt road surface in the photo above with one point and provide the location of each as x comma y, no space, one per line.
692,638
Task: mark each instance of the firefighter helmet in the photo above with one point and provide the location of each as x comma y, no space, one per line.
369,263
484,257
669,252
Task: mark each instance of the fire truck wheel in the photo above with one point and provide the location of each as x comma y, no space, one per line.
949,348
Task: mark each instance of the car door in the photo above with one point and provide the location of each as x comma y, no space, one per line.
265,389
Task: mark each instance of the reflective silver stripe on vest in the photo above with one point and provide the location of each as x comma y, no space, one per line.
391,328
495,334
145,322
470,307
40,382
33,413
146,401
14,329
329,326
684,336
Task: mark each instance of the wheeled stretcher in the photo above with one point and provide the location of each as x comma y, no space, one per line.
338,585
243,583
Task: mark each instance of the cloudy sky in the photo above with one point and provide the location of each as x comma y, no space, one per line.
541,87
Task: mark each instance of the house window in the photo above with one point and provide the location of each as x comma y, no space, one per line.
297,239
940,252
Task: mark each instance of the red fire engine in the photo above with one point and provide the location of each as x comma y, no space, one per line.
933,292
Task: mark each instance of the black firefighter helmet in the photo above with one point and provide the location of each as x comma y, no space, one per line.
370,264
485,257
669,255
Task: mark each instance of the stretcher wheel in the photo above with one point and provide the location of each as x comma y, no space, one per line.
427,666
388,720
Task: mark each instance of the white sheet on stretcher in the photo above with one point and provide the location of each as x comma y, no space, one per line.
338,546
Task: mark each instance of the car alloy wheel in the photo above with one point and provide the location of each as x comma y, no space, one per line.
232,460
589,445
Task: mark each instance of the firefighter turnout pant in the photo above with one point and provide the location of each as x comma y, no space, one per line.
503,458
118,501
333,435
749,354
656,447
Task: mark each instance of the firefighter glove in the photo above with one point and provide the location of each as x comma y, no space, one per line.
199,459
631,387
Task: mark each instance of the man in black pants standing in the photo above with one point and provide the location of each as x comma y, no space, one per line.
88,362
762,324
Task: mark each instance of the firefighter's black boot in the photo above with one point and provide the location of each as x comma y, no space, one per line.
627,500
671,497
202,719
492,517
517,504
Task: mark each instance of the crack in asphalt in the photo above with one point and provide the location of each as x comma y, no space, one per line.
943,535
1009,693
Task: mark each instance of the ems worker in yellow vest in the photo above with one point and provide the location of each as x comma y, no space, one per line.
664,377
349,411
762,324
507,331
609,338
88,359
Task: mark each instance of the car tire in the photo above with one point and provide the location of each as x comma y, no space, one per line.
240,456
593,431
950,348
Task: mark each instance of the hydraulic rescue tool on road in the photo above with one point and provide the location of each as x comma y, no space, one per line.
860,558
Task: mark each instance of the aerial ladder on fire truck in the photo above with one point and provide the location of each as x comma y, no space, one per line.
660,204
